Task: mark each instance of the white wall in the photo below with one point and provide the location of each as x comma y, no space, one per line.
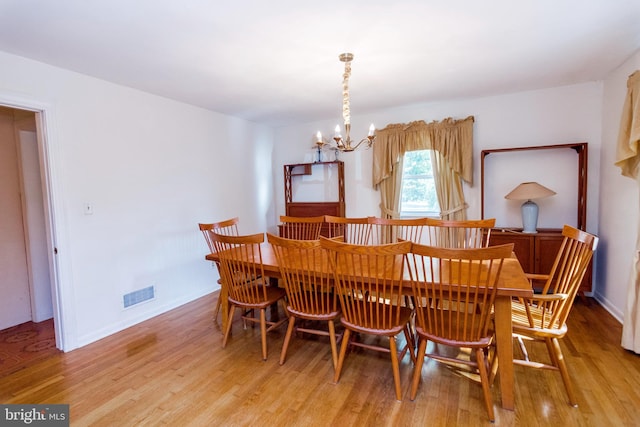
618,200
152,168
552,116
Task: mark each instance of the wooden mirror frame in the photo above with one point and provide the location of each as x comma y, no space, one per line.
581,148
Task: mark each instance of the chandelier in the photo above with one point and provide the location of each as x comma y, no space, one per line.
345,143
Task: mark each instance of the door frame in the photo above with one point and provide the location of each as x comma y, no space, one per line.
53,211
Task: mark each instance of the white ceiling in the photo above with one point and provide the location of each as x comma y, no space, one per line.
276,61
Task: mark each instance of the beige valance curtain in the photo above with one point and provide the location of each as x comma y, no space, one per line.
628,159
453,142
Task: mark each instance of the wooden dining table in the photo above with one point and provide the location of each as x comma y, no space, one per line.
512,283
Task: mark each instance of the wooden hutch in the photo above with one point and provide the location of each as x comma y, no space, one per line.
313,208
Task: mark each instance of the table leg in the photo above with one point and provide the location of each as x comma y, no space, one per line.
273,281
504,343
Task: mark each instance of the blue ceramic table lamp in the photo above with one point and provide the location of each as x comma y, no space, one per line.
529,191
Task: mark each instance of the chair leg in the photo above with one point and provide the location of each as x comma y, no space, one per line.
494,367
217,310
558,358
523,348
484,379
343,352
410,342
232,310
334,345
287,338
222,295
249,313
396,367
263,332
417,369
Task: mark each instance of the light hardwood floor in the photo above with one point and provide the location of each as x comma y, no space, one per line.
171,370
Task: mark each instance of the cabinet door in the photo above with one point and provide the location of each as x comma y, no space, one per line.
547,247
522,246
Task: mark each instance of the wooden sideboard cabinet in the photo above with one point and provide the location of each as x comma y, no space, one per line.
536,251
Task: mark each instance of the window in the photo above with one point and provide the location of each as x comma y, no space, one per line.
418,198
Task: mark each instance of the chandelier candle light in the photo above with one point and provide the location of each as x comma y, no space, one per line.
528,191
344,144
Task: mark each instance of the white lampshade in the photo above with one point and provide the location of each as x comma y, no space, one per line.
527,191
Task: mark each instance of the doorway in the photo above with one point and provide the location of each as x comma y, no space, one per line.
27,282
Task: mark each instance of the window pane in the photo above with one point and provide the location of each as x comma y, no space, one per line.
417,163
418,196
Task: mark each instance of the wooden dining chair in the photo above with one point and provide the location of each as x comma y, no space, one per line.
356,231
301,228
543,317
368,281
458,234
227,227
243,274
305,271
392,230
454,292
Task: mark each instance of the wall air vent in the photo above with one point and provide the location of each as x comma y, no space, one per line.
136,297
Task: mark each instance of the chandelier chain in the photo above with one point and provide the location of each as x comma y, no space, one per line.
346,107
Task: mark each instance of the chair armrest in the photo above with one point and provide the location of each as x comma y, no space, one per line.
545,298
540,302
537,281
